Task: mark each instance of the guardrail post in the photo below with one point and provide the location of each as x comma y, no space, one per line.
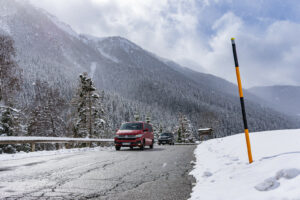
32,147
102,144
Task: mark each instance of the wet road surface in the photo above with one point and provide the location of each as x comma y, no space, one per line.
157,174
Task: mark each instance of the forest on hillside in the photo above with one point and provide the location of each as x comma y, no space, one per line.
89,113
45,66
32,106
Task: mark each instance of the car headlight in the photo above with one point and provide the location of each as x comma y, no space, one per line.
138,135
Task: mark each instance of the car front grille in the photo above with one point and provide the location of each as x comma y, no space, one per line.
126,137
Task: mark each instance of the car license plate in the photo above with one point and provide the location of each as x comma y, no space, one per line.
126,143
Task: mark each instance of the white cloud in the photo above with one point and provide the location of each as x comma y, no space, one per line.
266,56
196,33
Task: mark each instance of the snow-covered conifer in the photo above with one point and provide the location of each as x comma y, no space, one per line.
10,73
89,120
10,78
45,117
185,130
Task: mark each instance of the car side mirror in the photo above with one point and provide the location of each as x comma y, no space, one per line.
146,130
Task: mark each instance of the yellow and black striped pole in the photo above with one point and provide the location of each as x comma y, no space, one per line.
242,100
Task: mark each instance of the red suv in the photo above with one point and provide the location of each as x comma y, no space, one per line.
134,134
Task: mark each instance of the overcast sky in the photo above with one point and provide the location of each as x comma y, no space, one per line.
196,33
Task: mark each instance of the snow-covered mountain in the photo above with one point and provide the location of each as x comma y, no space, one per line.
50,50
284,98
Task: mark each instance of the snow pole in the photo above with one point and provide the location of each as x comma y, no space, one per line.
242,100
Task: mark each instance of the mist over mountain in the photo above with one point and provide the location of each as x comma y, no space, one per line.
283,98
133,79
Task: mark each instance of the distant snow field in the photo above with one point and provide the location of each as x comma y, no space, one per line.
223,173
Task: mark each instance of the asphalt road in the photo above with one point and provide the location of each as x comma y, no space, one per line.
158,174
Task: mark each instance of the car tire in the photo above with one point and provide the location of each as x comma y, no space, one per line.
151,146
143,146
118,148
131,148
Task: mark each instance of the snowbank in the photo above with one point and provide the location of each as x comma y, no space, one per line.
223,173
21,155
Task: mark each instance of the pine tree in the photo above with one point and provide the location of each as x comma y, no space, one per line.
6,123
136,116
104,122
10,73
188,131
89,120
10,125
179,138
10,79
45,117
185,130
148,118
9,122
157,130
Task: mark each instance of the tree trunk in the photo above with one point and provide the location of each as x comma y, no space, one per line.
90,115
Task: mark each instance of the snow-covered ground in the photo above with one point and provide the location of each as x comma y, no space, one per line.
223,173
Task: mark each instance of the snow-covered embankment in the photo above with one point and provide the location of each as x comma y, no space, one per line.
223,173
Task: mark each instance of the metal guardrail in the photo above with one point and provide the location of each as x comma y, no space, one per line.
186,143
58,140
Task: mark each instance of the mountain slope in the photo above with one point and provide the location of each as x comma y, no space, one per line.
283,98
208,100
139,81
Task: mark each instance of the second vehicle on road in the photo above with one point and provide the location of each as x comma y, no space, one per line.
166,138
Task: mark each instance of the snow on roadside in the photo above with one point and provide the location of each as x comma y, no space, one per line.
223,173
21,155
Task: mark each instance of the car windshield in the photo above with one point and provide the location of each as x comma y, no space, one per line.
166,134
132,126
